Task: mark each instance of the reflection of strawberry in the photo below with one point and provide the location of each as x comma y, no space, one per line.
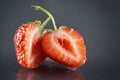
65,46
48,74
27,41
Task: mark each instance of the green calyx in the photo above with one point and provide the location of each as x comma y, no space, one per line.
61,27
47,30
38,22
50,17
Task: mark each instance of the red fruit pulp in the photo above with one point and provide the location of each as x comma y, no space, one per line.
27,41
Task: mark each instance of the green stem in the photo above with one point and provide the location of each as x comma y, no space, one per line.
48,13
44,23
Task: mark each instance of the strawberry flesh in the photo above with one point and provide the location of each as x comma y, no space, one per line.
27,41
65,46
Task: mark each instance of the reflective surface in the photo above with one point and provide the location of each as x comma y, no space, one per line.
97,20
53,71
48,74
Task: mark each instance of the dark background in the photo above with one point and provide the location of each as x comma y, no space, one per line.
97,20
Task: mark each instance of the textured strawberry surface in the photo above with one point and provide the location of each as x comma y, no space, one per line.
27,41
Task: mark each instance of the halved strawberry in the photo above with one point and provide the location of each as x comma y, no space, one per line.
65,46
27,41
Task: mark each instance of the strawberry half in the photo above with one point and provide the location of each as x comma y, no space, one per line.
65,46
27,42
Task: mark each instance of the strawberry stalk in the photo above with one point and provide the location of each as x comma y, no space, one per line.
41,26
44,23
48,13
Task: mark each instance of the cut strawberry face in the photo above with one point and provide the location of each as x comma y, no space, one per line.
27,41
65,46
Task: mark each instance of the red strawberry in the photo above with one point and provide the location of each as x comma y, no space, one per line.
65,46
27,41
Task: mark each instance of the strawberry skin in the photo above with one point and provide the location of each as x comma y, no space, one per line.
27,42
65,46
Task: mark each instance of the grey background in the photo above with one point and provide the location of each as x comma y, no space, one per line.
97,20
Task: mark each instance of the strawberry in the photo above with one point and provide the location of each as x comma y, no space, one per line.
65,46
27,41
